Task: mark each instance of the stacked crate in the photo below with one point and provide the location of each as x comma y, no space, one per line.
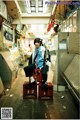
46,91
38,90
29,90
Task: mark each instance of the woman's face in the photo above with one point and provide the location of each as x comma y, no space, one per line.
37,45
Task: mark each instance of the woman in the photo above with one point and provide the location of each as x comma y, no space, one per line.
40,58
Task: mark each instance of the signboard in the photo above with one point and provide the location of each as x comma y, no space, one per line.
8,36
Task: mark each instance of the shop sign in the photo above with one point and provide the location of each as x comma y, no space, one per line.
8,36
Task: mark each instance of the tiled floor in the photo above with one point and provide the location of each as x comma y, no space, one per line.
61,107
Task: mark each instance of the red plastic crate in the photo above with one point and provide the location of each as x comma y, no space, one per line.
46,92
29,90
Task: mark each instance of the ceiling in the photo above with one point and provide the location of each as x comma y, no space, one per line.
12,8
36,12
28,8
34,6
32,11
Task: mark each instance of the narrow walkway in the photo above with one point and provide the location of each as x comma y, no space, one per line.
61,107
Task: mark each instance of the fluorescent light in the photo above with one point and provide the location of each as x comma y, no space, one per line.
40,8
32,8
28,6
54,6
36,6
44,6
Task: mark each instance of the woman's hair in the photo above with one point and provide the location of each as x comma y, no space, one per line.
38,40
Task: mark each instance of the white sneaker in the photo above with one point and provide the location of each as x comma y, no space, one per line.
32,79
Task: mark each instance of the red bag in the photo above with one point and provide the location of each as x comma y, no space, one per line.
37,74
